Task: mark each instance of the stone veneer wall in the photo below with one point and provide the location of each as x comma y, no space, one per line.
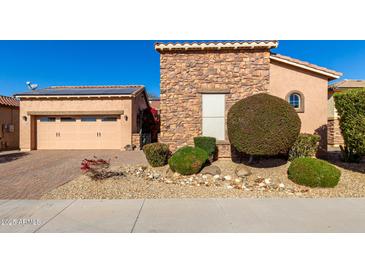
185,75
334,132
136,140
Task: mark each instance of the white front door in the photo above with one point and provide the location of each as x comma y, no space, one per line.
213,109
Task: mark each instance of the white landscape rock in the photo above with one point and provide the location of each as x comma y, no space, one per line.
227,178
281,185
216,177
268,181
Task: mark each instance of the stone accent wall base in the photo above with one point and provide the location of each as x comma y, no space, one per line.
334,133
136,140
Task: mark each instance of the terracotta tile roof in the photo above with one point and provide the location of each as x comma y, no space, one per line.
348,84
169,46
8,101
83,90
319,69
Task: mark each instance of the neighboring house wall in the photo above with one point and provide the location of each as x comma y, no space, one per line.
28,122
8,139
285,79
185,76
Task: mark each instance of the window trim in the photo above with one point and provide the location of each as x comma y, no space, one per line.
94,119
49,119
67,119
108,119
300,109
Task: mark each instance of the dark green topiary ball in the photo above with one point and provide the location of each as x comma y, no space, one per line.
188,160
313,173
262,124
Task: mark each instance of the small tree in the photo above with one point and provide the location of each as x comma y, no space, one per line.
350,106
262,124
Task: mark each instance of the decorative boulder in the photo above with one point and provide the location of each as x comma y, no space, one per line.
242,171
211,170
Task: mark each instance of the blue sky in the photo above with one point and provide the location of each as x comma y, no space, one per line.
136,62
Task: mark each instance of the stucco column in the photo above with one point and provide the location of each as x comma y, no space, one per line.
25,123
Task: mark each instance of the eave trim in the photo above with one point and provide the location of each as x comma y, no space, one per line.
328,74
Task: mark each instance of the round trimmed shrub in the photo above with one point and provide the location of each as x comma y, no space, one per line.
188,160
156,154
313,172
206,143
262,124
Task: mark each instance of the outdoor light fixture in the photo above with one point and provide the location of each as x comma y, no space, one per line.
126,117
25,118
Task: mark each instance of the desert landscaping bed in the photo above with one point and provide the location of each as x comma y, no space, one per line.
268,179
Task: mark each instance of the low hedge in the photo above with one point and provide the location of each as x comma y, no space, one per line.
206,143
313,172
188,160
156,153
305,146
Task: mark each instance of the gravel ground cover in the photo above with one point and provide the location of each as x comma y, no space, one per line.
268,179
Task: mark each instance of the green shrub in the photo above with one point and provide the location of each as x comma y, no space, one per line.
262,124
313,173
206,143
156,154
350,106
305,146
188,160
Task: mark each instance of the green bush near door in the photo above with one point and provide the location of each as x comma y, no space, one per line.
208,144
188,160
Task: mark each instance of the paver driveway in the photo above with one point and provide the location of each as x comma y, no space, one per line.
30,175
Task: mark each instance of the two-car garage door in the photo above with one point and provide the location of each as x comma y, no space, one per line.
78,132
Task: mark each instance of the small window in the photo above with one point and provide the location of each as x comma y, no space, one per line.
68,119
88,119
296,100
109,119
47,119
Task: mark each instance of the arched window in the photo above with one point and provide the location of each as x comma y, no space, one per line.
296,100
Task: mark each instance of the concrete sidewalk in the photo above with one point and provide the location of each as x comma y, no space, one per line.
184,215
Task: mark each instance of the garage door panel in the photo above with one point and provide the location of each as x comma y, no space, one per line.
81,133
46,134
110,134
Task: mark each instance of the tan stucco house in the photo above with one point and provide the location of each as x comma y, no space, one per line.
201,81
81,117
9,123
